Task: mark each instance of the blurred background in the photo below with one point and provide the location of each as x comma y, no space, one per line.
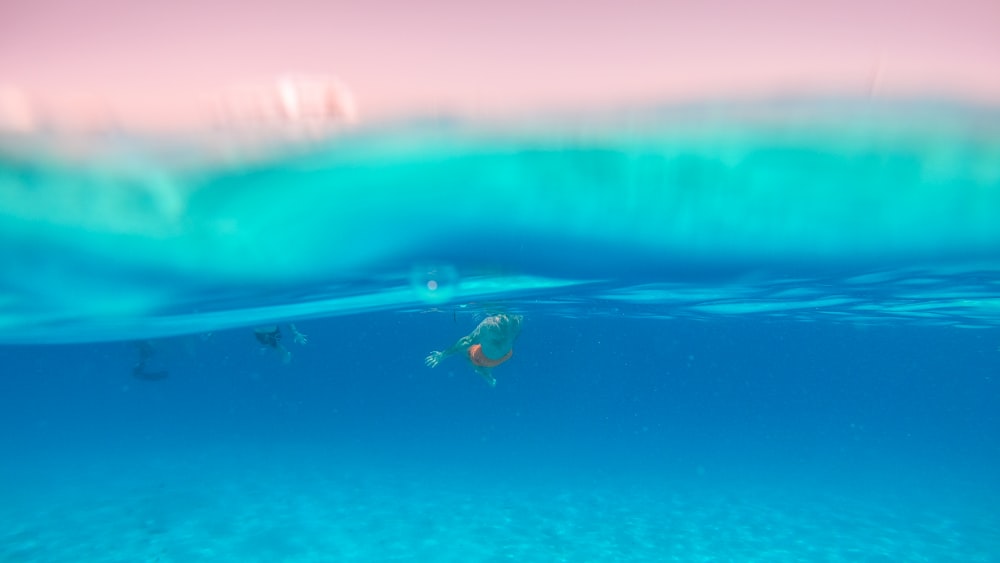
145,65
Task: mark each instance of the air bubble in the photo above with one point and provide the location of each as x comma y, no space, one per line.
434,284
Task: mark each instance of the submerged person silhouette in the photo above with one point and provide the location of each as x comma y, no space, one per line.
490,345
140,369
270,337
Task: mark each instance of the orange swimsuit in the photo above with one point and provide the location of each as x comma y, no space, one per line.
477,357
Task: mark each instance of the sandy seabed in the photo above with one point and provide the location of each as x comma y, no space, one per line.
304,506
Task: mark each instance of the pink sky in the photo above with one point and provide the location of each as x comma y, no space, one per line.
157,63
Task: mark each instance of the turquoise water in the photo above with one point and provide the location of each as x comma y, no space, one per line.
705,207
754,332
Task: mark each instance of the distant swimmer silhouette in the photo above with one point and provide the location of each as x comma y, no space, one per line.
491,344
270,336
140,369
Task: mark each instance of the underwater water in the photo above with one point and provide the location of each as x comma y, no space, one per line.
752,332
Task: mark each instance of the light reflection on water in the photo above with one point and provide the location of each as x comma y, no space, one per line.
970,302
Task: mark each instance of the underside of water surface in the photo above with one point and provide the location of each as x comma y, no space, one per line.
842,210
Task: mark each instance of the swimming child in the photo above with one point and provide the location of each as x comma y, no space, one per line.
270,336
490,345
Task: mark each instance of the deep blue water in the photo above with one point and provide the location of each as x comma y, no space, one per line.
900,424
